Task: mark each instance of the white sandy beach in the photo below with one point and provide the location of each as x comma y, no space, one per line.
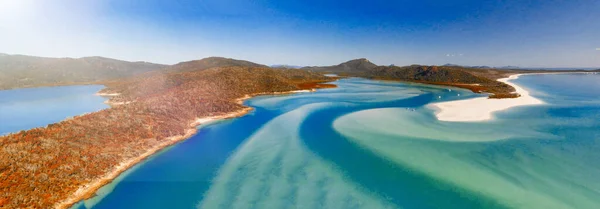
107,94
481,109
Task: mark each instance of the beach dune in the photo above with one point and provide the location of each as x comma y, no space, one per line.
482,109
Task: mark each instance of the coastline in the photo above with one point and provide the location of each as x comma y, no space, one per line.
109,95
482,108
106,94
89,190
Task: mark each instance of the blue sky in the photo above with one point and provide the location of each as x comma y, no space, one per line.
528,33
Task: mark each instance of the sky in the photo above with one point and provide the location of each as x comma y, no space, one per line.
526,33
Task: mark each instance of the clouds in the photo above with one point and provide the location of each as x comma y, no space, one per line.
454,55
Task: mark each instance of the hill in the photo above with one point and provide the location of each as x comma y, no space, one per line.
20,71
479,79
474,79
210,62
349,67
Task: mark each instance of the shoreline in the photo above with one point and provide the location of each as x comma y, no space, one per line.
113,104
89,190
482,108
109,96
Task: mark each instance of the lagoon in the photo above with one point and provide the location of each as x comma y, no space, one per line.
23,109
375,144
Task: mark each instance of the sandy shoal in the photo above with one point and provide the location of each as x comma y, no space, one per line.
482,108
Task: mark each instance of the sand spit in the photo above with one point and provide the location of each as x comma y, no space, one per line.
108,101
112,104
107,94
482,109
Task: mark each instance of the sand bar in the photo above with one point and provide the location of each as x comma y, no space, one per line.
482,109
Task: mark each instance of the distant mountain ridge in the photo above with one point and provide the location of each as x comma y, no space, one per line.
21,71
513,67
287,66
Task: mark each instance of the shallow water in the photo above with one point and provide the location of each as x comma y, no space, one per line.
22,109
373,144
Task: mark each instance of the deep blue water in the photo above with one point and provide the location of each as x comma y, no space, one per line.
374,144
22,109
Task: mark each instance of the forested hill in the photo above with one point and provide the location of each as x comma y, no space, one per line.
210,62
476,79
352,66
20,71
176,74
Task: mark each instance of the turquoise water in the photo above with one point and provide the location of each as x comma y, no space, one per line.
22,109
374,144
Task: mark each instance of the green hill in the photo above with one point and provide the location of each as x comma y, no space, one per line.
20,71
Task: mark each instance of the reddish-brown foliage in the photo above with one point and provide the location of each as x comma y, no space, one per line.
504,96
478,81
316,85
42,166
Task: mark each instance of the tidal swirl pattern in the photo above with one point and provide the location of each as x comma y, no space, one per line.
376,144
510,162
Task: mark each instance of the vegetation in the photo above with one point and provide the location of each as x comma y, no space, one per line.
19,71
477,79
211,62
349,67
43,166
446,76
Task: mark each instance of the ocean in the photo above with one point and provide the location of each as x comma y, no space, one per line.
376,144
